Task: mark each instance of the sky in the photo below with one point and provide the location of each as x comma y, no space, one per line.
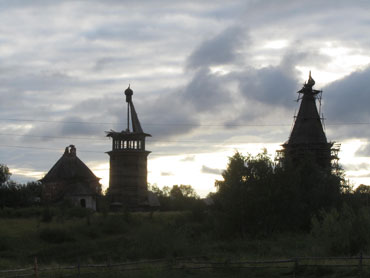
209,78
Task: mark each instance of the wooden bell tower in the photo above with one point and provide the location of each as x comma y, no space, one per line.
128,163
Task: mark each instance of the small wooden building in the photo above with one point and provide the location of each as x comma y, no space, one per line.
72,181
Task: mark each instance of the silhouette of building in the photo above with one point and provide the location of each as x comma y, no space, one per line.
128,163
72,181
307,137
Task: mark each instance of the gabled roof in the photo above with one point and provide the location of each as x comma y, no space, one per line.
69,167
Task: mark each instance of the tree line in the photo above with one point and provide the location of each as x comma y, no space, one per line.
17,195
258,198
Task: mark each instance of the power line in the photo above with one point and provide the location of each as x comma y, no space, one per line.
107,139
54,137
88,151
173,124
50,121
145,124
42,148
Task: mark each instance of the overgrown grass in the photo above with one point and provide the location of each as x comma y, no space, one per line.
78,236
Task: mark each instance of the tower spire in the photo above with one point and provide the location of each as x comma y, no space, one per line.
308,127
128,93
308,134
131,113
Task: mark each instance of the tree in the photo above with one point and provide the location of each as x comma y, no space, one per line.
179,197
308,189
155,189
256,197
13,194
244,194
183,191
363,189
4,174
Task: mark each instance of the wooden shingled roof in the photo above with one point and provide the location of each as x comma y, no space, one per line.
69,167
308,128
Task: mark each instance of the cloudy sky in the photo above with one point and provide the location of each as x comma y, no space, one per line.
209,78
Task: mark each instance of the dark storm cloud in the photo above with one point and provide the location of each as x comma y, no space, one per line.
265,91
270,85
277,85
220,50
347,100
166,115
210,92
346,103
208,170
206,91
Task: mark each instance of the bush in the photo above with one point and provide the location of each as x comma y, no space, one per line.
47,215
342,232
20,212
114,224
55,235
78,212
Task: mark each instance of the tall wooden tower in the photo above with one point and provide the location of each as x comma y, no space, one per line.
128,162
308,137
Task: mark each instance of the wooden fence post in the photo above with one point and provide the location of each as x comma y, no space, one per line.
360,265
296,266
78,268
36,268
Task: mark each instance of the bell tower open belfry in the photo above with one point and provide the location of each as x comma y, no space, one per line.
128,163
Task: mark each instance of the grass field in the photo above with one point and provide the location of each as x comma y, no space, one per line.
122,237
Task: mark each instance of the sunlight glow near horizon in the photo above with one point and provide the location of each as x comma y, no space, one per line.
187,168
172,170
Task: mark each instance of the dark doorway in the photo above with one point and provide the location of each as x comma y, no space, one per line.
83,203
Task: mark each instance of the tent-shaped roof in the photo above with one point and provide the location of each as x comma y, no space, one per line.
69,167
132,118
307,127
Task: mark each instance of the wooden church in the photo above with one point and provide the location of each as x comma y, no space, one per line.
70,180
128,163
307,137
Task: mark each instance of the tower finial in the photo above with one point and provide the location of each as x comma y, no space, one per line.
310,81
128,93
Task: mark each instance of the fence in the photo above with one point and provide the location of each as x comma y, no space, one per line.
293,266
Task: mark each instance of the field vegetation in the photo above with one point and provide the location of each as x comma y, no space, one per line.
260,211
